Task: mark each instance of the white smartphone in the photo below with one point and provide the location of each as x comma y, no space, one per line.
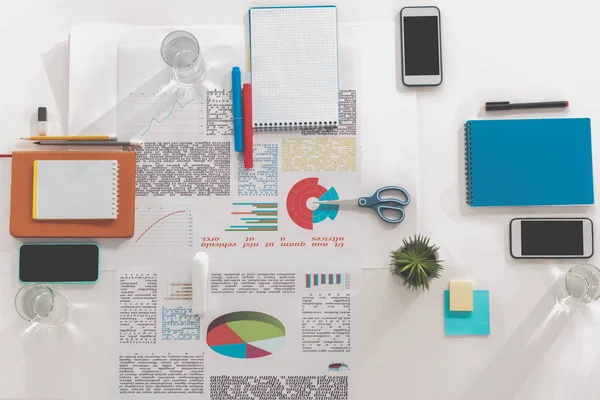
421,43
551,238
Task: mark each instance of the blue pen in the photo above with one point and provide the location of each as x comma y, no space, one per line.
236,94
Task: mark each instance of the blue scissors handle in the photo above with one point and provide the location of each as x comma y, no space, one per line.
397,210
381,204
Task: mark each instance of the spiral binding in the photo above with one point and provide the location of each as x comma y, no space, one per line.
468,164
115,190
293,126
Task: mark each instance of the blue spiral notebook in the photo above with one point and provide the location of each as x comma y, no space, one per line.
529,162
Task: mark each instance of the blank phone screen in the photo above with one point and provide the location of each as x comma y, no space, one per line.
552,238
58,263
421,46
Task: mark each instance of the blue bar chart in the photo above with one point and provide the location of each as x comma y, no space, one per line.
254,217
327,281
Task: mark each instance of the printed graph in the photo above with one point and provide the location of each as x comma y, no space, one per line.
327,281
254,217
163,226
245,334
150,115
178,291
338,367
301,193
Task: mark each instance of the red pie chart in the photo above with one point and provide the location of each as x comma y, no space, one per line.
300,193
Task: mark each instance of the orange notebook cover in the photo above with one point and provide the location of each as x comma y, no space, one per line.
22,223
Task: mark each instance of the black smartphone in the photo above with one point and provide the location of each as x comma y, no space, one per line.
421,41
59,262
551,238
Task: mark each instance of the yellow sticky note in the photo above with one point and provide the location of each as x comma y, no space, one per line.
461,296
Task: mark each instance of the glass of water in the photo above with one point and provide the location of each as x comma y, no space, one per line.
580,284
41,304
180,50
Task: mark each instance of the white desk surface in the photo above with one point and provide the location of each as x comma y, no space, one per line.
509,50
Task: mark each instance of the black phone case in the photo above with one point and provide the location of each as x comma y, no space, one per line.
545,258
441,49
59,244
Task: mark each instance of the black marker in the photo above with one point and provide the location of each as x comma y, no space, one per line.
505,105
42,121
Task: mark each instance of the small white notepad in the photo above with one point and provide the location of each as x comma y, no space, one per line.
75,189
294,66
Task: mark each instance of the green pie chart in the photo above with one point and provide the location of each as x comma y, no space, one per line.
245,334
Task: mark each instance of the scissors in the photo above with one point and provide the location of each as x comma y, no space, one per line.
382,205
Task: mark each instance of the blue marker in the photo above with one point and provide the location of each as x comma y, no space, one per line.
236,94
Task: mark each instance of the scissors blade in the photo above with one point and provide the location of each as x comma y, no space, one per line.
340,202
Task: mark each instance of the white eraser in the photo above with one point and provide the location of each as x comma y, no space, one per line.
200,283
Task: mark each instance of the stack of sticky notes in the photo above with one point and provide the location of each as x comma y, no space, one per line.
466,311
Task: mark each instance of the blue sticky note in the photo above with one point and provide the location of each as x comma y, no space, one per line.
468,323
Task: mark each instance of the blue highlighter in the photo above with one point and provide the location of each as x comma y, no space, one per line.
236,94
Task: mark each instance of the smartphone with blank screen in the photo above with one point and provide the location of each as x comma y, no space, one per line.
421,43
59,262
551,238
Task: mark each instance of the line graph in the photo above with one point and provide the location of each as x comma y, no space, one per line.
152,115
156,222
158,121
163,226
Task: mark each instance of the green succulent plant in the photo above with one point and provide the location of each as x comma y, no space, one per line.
416,262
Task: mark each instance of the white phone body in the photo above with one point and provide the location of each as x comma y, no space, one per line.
421,41
551,238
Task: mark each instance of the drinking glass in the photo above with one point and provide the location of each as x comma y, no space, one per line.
41,304
180,50
581,284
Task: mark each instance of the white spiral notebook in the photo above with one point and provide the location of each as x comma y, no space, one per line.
294,67
75,189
